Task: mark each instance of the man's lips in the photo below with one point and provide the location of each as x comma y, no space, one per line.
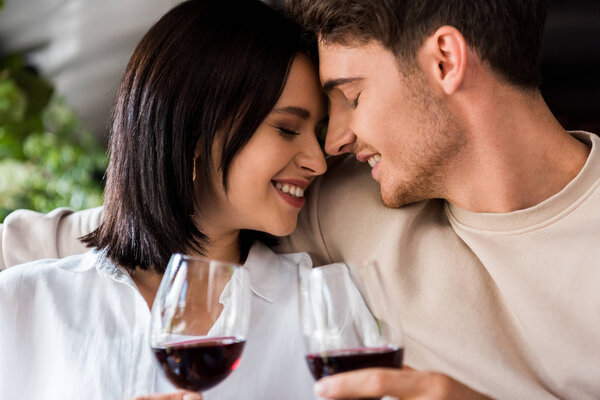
364,156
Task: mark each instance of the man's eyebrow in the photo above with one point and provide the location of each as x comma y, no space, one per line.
333,83
299,111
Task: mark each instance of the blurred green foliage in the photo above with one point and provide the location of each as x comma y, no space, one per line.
47,159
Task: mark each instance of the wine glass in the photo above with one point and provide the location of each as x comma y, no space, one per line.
199,321
342,316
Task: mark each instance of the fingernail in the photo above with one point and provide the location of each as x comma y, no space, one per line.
320,388
191,396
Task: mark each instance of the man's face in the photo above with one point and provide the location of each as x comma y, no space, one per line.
389,119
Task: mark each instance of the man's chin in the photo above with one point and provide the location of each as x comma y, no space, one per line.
398,199
390,201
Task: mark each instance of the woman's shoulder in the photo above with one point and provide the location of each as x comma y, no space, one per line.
73,290
40,272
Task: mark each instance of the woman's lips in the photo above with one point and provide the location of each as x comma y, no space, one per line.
296,202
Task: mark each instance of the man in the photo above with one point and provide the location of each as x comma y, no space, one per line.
493,284
488,239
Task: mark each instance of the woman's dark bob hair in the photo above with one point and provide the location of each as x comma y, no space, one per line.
206,69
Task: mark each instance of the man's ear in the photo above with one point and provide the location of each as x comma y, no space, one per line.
443,57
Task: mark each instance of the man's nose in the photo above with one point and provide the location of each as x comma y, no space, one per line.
339,141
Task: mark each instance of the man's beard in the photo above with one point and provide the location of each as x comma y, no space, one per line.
429,162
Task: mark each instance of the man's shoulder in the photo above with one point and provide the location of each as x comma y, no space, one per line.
346,173
344,210
349,192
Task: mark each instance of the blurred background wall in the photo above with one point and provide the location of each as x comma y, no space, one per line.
571,63
79,49
83,46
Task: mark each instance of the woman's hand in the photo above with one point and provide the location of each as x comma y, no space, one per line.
179,395
405,383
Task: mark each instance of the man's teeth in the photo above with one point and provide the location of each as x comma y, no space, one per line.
373,160
294,190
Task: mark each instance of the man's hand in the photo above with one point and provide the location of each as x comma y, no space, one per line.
180,395
404,383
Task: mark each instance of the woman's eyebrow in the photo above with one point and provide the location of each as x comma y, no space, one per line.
299,111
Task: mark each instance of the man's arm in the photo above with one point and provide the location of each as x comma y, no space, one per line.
28,235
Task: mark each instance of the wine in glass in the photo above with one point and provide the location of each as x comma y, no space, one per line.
199,321
343,311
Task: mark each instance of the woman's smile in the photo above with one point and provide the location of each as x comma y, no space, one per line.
292,191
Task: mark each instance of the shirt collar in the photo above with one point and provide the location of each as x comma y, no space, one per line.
263,267
97,259
262,263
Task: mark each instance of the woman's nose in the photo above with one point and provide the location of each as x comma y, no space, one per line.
312,158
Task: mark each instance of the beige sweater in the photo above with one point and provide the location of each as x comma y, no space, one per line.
507,303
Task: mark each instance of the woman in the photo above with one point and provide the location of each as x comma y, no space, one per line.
213,142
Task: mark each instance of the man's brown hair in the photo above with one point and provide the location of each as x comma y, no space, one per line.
507,34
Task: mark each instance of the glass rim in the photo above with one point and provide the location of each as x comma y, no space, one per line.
188,257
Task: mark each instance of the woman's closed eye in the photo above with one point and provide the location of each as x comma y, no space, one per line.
287,132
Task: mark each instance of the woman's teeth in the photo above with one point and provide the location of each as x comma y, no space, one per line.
373,160
294,190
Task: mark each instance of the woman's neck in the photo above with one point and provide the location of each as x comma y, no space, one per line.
224,246
147,282
215,221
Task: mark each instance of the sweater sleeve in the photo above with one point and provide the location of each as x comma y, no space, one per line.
28,235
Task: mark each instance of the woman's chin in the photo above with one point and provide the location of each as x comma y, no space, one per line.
282,230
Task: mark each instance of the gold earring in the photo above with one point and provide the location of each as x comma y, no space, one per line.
194,172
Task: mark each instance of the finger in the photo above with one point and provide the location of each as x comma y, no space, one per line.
370,382
179,395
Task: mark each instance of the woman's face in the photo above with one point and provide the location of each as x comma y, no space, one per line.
267,179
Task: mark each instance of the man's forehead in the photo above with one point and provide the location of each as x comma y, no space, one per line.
348,61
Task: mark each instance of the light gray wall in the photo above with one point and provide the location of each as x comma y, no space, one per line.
81,45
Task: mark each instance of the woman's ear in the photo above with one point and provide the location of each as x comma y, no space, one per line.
443,57
197,150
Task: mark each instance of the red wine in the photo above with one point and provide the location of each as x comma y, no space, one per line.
199,364
336,361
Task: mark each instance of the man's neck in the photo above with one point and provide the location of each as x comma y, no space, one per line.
518,155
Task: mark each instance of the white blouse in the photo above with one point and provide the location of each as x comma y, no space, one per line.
77,328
